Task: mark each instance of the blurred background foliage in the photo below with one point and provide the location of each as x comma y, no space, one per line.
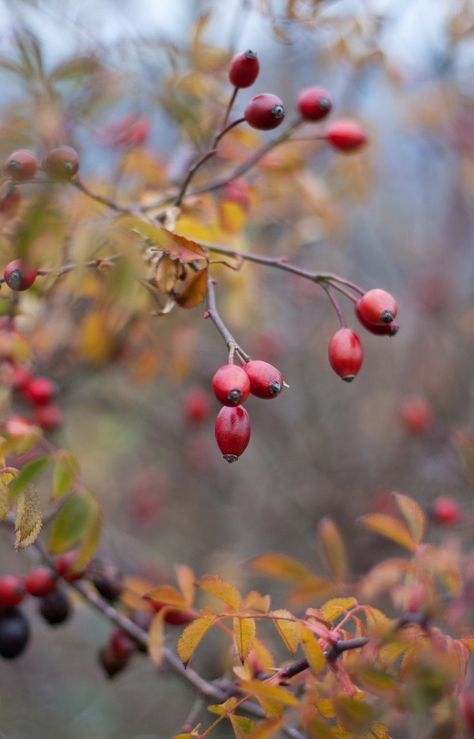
399,216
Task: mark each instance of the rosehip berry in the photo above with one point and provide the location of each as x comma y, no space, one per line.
314,103
14,633
40,390
40,582
21,165
110,662
266,381
61,163
232,431
346,354
48,417
265,112
174,616
196,406
107,581
65,566
384,329
231,385
445,511
20,377
417,415
377,307
12,590
244,69
19,277
122,644
345,135
55,608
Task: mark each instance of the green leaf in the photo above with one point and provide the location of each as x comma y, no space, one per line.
65,473
71,522
27,475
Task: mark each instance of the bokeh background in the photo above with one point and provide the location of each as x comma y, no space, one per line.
399,215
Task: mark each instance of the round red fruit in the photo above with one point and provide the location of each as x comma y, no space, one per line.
231,385
21,165
445,511
377,307
49,416
266,381
18,276
39,390
61,163
196,406
244,69
174,616
265,111
346,354
345,135
12,591
65,566
232,431
314,103
383,329
122,644
417,414
20,377
40,582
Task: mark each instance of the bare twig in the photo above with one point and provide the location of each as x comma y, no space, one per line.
213,314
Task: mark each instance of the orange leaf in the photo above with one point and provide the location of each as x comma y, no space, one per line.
256,601
413,515
192,635
333,548
312,651
280,566
244,635
168,596
222,590
288,628
177,247
194,291
269,692
156,638
185,578
389,527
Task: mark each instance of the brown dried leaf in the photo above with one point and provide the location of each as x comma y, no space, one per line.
195,290
28,519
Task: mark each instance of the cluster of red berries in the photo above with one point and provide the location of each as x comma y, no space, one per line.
232,385
266,111
376,310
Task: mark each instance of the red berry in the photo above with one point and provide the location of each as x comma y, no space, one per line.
65,566
18,276
174,616
244,69
314,103
231,385
196,406
265,112
20,377
266,381
445,510
61,163
21,165
40,390
345,135
377,307
384,329
40,582
122,644
48,417
129,131
346,354
417,414
12,591
232,431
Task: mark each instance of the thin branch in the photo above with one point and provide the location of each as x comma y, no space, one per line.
213,314
79,185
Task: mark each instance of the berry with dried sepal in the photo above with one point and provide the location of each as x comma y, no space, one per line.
384,329
314,103
232,432
21,165
244,69
264,112
266,381
18,276
231,385
346,354
377,307
61,163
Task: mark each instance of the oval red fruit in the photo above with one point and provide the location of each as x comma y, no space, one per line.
314,103
61,163
346,354
40,582
231,385
12,591
266,381
49,416
21,165
384,329
244,69
265,112
18,276
345,135
232,431
377,307
445,510
39,390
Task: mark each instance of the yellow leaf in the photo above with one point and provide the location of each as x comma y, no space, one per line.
336,607
378,624
185,578
413,515
194,291
192,635
333,548
168,596
353,713
280,566
222,590
5,501
270,692
28,520
309,589
256,602
389,527
176,246
267,729
134,590
312,651
288,628
244,635
263,655
232,217
241,725
95,338
156,637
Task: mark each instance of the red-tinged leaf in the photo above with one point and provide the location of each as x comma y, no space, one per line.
333,548
186,579
389,527
194,291
192,635
270,692
156,637
168,596
312,651
335,607
176,246
244,635
222,590
413,515
256,602
288,628
280,566
267,729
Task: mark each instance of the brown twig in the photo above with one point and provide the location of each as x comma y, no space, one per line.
213,314
79,185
